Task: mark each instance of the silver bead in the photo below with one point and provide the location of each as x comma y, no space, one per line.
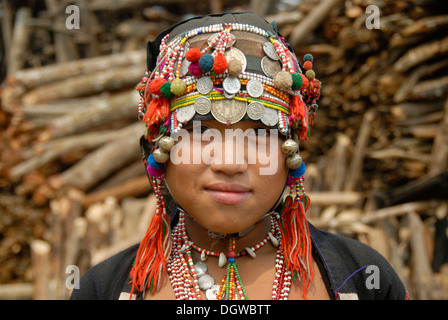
290,147
294,161
166,144
160,156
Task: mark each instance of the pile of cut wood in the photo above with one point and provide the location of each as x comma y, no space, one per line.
74,189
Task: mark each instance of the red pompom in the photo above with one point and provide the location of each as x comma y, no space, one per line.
220,64
305,82
308,65
193,55
155,85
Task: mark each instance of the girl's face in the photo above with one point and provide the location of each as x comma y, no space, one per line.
225,184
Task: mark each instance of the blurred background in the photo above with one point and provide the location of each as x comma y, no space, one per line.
73,189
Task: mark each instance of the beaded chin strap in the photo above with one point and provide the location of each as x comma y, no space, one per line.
230,71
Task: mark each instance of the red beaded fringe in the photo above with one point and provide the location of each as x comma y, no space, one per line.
296,244
155,248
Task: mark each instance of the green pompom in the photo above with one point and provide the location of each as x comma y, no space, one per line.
165,90
297,81
308,57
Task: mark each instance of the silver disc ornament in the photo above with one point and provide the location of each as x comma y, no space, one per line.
254,88
255,110
185,114
269,50
228,111
202,105
204,85
231,85
270,117
270,67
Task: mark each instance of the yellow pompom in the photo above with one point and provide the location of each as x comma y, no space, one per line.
178,87
310,74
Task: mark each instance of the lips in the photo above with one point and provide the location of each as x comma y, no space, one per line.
228,193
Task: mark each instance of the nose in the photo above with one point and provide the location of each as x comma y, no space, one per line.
230,157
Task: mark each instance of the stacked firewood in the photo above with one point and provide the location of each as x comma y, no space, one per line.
73,184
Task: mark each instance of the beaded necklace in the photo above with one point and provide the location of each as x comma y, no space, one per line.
188,277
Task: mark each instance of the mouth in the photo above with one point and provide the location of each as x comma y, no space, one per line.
225,193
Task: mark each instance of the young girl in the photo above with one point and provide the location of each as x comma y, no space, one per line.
226,102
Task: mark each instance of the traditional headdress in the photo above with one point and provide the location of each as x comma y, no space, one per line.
228,67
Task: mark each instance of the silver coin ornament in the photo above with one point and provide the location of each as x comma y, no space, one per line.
270,117
228,111
255,110
185,114
204,85
231,85
269,50
236,53
270,67
202,105
254,88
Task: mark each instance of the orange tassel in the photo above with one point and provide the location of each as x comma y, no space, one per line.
157,112
299,116
296,244
152,255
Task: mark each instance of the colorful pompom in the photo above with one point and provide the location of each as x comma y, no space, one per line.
308,57
153,163
165,90
299,171
308,65
155,85
154,172
305,82
220,64
178,87
206,62
235,67
195,70
193,55
283,80
310,74
297,81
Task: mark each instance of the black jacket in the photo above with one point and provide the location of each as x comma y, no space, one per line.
350,269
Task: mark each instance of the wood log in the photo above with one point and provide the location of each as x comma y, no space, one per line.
439,153
19,41
425,25
311,21
132,188
422,273
40,255
34,77
354,171
102,162
420,54
65,48
16,291
88,84
115,107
